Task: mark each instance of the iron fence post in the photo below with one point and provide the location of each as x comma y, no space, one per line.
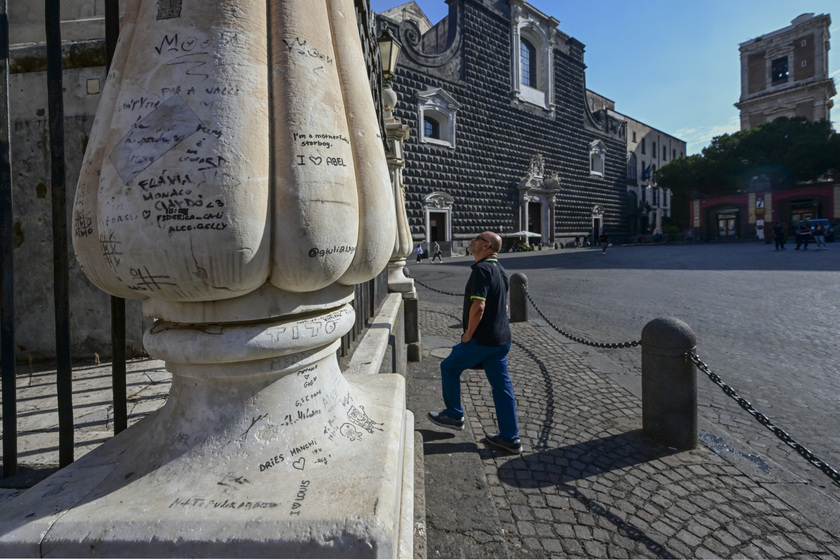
7,280
64,382
118,374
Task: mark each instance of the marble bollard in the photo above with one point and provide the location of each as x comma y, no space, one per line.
235,180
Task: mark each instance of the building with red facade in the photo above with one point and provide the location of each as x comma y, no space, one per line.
748,215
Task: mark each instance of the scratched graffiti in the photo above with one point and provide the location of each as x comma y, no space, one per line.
153,136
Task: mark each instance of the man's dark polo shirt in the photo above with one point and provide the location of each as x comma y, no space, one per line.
488,282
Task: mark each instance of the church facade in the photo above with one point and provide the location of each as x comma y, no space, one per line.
502,136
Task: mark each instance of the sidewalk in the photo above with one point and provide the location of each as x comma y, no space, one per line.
147,385
588,485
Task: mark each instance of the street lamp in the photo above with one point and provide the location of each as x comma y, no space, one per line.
389,52
396,135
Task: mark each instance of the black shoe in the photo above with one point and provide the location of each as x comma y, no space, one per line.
443,419
496,440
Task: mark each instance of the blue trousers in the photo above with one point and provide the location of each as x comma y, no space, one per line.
495,363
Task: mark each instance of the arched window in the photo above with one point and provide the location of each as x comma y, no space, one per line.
632,165
597,157
431,128
528,63
437,110
534,38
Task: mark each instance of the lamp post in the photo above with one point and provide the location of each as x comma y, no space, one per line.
397,133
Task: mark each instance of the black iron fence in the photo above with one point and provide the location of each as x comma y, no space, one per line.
368,296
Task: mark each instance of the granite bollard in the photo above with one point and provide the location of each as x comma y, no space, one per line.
518,298
669,384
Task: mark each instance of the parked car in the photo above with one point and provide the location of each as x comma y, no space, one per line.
829,229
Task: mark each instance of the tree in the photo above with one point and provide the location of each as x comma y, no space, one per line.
784,151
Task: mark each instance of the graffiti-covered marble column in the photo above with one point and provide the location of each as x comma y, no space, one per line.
235,180
397,134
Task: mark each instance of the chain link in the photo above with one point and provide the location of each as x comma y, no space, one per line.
764,421
612,345
416,281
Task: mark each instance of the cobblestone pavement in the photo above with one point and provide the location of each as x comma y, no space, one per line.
766,322
588,485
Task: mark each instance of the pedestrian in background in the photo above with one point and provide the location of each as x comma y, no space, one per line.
779,236
485,342
819,235
437,254
803,235
419,252
604,241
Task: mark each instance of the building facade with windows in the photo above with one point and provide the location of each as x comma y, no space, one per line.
502,135
647,150
785,73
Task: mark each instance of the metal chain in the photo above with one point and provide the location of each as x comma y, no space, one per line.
612,345
764,421
436,290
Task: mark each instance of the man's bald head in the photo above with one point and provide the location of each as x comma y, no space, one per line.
494,240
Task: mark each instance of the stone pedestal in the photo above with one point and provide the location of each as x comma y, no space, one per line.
236,182
264,449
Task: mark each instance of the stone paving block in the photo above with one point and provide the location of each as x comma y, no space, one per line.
552,546
543,514
664,528
714,545
768,548
783,523
595,549
526,528
804,543
565,516
531,543
689,538
782,543
564,530
544,530
818,534
582,533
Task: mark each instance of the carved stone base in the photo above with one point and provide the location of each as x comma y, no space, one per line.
397,280
280,459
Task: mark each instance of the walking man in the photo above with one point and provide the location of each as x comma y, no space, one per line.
437,253
485,342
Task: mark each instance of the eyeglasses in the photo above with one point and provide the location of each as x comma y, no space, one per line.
479,237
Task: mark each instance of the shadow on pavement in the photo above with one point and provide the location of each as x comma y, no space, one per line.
433,443
560,467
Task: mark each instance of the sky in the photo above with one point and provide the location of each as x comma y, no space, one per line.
674,66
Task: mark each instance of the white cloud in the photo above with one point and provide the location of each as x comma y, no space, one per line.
699,137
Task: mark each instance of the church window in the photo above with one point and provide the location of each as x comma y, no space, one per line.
437,110
528,61
431,128
597,155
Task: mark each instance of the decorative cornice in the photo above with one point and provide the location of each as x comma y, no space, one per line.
412,39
